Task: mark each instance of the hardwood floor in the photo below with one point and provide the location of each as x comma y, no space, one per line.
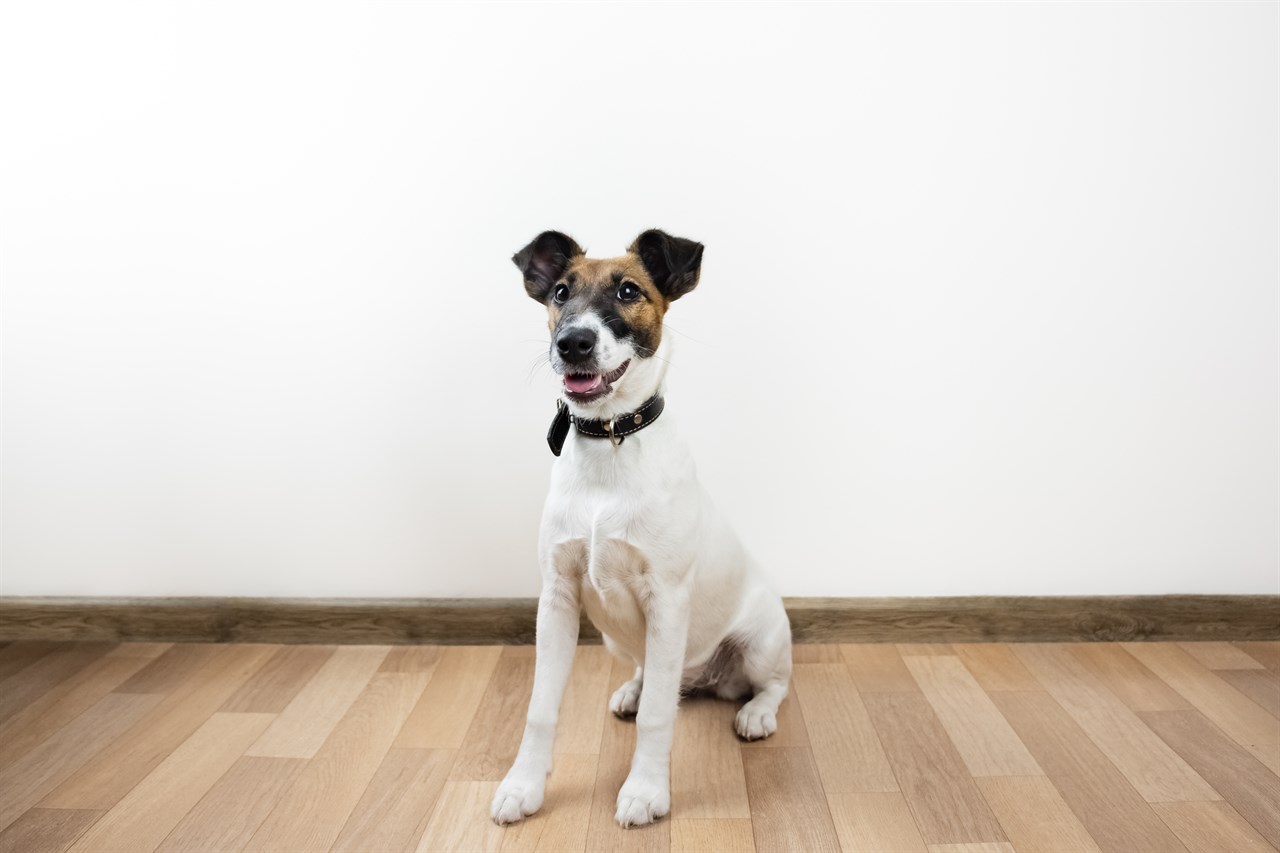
968,748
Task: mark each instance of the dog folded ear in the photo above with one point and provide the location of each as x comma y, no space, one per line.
672,262
543,261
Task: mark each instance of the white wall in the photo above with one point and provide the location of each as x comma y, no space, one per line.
1000,281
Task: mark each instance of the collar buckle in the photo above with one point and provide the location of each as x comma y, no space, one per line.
615,440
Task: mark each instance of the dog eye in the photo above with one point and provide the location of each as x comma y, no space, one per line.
561,294
628,292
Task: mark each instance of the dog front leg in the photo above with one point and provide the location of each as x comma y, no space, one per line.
646,794
520,793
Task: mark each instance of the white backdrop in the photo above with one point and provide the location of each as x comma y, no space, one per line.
1001,281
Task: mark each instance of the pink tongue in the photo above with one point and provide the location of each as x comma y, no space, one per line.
582,384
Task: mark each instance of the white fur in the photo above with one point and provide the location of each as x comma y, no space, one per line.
629,534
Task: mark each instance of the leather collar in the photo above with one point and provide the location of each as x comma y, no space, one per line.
615,430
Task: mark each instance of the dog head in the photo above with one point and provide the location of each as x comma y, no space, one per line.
605,314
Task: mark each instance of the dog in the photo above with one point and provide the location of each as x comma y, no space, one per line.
627,532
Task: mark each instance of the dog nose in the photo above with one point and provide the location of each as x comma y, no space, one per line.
576,344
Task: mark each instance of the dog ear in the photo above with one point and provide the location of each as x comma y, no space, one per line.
672,262
543,261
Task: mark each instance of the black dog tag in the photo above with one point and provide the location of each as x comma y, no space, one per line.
559,428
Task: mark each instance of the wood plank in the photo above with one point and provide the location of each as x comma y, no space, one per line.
150,651
707,779
29,727
1265,653
816,653
711,836
1120,672
31,777
411,659
1241,779
617,744
944,619
16,657
461,821
46,830
924,649
1220,656
311,814
995,666
981,735
272,688
878,668
875,823
1146,761
111,773
459,680
146,814
45,674
989,847
562,823
233,809
1246,722
850,758
1115,815
304,724
1260,685
947,805
586,701
1269,755
788,809
1034,815
394,810
490,745
167,671
1211,828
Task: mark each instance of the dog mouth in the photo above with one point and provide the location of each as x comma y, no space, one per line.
585,387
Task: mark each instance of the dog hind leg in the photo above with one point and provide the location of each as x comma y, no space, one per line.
625,701
766,663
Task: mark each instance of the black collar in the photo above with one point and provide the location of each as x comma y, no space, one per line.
615,430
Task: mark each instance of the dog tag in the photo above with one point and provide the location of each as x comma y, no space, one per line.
559,429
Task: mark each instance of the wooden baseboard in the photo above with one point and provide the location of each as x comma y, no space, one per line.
511,620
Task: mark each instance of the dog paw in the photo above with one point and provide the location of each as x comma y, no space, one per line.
641,802
626,700
516,799
755,723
